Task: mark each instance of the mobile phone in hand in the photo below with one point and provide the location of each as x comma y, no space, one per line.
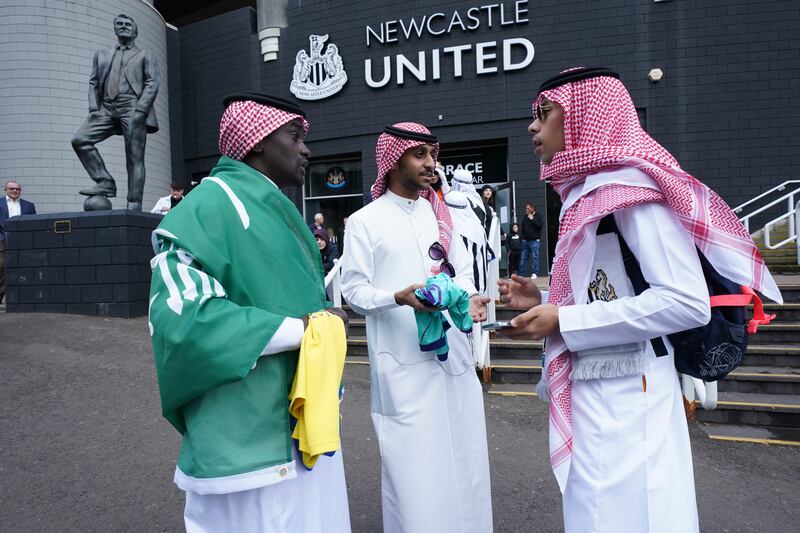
493,326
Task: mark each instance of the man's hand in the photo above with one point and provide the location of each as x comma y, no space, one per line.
342,314
519,292
477,307
536,323
407,297
338,311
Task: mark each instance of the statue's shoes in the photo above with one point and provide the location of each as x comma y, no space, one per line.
135,206
106,188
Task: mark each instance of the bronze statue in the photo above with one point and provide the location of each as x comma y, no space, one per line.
122,89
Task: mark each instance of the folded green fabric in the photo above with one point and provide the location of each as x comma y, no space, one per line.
442,293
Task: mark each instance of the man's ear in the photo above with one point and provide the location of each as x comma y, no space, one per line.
257,148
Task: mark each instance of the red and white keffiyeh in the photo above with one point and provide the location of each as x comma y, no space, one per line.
245,123
388,151
602,132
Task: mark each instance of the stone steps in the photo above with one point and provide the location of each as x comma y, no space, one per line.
754,410
758,403
752,434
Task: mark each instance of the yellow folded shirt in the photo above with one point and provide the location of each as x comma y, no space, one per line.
314,398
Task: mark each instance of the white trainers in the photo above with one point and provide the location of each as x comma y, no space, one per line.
534,276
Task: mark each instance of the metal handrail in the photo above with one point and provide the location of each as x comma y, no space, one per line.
789,198
780,187
706,392
746,219
792,230
334,277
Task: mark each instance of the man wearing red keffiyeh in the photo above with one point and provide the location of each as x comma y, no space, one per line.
428,414
619,443
235,277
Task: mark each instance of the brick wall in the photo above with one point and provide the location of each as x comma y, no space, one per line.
728,107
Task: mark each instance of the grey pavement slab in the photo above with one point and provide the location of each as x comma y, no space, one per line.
83,446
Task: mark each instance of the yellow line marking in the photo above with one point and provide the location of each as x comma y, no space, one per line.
356,362
770,405
534,367
765,375
510,393
756,441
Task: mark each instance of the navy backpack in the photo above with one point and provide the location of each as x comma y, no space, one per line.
712,351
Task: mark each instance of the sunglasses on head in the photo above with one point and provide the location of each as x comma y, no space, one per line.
437,253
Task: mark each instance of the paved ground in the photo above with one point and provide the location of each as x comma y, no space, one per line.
83,447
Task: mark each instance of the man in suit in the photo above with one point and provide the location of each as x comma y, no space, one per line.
122,89
11,205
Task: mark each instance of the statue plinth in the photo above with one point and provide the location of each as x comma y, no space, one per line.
88,263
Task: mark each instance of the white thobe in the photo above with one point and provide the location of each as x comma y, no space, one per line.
631,466
472,235
306,501
428,415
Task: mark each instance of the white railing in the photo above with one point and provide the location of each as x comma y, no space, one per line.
706,392
334,280
797,225
791,198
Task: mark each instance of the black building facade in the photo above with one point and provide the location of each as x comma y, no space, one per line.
727,105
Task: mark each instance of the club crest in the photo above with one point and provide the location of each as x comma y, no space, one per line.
335,178
318,75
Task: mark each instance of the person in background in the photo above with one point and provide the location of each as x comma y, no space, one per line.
514,245
487,194
165,203
333,242
319,223
11,205
531,233
325,249
439,181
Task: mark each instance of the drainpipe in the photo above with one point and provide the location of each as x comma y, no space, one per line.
272,16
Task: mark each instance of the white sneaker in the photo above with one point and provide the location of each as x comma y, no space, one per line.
534,276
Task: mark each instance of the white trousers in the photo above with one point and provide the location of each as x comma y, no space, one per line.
631,467
313,502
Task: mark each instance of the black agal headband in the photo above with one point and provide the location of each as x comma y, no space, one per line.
578,74
264,99
413,135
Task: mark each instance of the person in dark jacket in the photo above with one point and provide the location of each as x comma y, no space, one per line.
487,195
530,231
325,249
514,245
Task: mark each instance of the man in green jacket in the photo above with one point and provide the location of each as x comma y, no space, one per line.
235,276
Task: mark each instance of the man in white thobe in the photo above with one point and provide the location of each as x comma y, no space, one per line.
428,415
469,214
619,443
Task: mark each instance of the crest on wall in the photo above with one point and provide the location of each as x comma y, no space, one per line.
318,74
335,178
